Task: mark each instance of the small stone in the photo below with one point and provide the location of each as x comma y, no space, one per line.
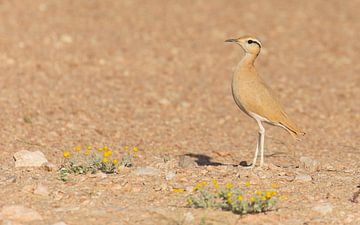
66,38
26,158
147,171
60,223
189,189
187,161
48,167
98,175
323,208
41,190
11,179
19,213
303,178
188,217
310,164
185,104
329,167
170,175
164,101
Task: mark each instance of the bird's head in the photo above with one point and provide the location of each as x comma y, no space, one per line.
249,44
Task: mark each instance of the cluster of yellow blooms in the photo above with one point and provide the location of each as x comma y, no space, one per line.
264,195
106,152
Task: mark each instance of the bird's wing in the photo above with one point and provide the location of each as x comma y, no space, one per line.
265,103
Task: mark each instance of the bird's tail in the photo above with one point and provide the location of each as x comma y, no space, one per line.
293,130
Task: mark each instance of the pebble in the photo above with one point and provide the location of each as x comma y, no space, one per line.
26,158
60,223
303,178
188,217
41,190
170,175
19,213
48,167
310,164
147,171
323,208
187,161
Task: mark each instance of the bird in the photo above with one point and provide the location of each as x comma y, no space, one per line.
255,98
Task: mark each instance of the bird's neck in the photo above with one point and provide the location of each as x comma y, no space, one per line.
248,60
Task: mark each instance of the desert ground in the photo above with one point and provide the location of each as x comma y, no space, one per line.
156,75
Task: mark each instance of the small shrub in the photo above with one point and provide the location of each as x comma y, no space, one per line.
232,199
89,160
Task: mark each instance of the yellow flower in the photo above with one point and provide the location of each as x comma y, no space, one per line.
229,186
115,161
214,182
135,149
66,154
274,193
263,198
259,192
229,194
283,197
200,184
105,160
229,201
100,149
77,148
274,186
135,154
178,190
240,198
247,183
252,199
216,186
268,194
189,201
126,147
107,153
105,147
89,147
87,152
195,188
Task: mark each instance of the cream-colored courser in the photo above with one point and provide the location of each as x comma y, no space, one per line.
255,98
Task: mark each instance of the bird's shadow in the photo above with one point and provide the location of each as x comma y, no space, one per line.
204,160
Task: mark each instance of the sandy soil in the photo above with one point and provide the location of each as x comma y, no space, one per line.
156,74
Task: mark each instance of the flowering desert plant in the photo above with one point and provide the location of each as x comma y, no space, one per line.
91,160
233,199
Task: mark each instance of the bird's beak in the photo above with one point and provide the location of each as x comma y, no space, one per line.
231,40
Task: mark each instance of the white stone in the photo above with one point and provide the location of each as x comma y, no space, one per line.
60,223
303,178
188,217
170,175
41,190
148,171
26,158
310,164
323,208
19,213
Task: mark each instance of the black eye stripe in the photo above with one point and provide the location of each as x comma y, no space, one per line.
251,41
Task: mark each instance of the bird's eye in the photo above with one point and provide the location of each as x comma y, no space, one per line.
250,41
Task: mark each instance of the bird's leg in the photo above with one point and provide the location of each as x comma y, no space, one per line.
256,151
262,141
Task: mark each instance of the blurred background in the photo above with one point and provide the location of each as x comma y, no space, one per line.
158,73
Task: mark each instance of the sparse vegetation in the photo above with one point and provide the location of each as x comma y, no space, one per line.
87,160
239,201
